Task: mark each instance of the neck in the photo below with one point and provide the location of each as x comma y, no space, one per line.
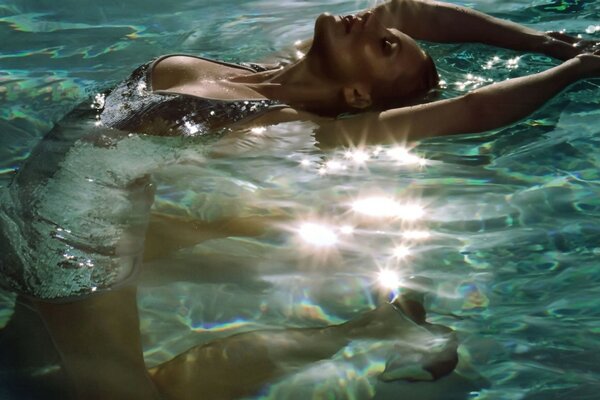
296,85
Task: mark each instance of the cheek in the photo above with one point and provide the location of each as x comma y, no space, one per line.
370,52
356,61
344,65
371,63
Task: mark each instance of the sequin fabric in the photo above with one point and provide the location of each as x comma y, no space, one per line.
134,107
73,221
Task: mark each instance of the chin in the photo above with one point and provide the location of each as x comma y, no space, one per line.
324,28
323,53
323,34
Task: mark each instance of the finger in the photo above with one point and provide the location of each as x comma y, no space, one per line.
587,46
562,37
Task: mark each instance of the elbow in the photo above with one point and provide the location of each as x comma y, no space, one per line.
470,114
482,113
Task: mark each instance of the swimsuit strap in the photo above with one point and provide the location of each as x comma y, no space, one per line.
251,67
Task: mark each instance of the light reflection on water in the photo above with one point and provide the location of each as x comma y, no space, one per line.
318,235
504,224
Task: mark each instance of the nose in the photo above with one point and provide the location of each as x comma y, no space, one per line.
364,18
370,21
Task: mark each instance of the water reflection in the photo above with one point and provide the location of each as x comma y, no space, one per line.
317,234
389,279
416,235
512,268
473,81
347,229
401,252
358,156
259,130
385,207
403,156
592,29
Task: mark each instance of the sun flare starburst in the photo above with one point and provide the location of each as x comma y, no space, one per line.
384,207
317,234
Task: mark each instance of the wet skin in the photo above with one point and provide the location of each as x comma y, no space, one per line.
353,49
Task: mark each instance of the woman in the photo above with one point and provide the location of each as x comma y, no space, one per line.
368,65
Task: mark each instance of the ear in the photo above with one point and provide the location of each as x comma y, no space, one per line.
357,96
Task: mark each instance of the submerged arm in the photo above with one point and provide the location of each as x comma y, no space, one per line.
483,109
444,22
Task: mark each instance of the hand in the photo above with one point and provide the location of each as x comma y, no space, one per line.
589,64
564,46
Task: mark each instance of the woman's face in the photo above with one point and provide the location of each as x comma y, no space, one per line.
354,49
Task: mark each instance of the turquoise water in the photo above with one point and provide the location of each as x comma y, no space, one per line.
510,218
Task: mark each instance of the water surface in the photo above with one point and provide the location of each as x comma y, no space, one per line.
509,231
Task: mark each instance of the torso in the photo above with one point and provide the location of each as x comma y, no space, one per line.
179,95
209,79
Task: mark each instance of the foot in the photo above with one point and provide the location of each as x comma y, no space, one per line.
424,351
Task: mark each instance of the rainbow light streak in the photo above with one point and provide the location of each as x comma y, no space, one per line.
221,327
374,368
308,310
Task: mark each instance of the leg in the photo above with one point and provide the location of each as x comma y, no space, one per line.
167,234
29,358
241,364
99,342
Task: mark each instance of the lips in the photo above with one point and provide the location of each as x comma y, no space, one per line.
349,21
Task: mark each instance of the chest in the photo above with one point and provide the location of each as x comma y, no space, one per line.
198,77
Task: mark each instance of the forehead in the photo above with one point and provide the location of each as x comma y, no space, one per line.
409,56
408,46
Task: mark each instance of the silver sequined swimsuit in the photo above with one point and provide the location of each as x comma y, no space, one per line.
134,107
73,220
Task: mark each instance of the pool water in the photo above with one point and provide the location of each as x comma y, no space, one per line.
506,224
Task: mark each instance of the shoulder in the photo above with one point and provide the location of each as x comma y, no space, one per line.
172,70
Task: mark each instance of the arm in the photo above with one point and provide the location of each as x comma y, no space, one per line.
167,234
443,22
448,23
487,108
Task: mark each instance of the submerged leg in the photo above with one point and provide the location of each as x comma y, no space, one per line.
99,341
167,234
241,364
29,358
